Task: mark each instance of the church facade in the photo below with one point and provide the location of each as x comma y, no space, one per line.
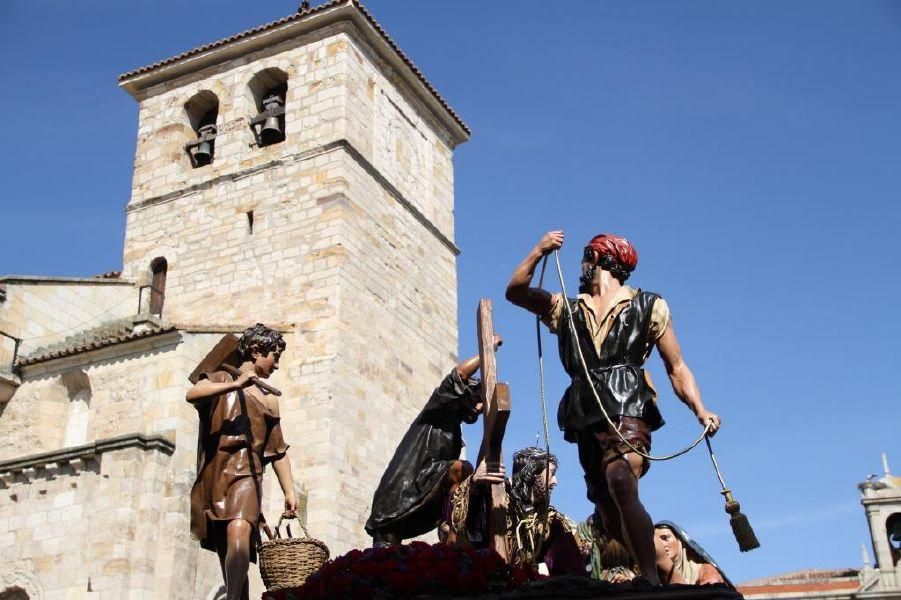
297,174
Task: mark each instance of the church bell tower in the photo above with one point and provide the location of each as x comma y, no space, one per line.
300,174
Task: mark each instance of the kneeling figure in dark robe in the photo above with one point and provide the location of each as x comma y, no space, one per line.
426,466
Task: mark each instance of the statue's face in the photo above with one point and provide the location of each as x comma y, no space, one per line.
266,364
666,543
543,484
474,404
589,271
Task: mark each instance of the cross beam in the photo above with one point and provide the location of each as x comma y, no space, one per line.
495,413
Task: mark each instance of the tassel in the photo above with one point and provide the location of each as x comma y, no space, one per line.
741,527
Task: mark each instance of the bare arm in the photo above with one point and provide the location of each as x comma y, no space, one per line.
207,390
534,300
682,379
468,367
282,468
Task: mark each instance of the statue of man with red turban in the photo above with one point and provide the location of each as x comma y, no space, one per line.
616,328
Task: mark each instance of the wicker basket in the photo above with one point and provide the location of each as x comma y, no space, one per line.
287,562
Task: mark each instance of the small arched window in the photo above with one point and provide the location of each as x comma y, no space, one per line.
158,269
202,111
269,89
78,413
893,530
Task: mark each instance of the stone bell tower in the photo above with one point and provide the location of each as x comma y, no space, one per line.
300,174
881,499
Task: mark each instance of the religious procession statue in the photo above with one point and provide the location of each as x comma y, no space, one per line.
411,497
536,532
681,559
240,433
614,328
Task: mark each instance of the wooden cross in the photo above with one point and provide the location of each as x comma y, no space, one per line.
495,413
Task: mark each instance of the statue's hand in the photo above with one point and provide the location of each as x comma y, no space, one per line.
245,379
483,477
705,417
290,504
550,241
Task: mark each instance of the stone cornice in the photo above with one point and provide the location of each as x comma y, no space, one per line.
40,279
77,457
341,144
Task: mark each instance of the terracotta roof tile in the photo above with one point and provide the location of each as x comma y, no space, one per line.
797,588
108,334
296,17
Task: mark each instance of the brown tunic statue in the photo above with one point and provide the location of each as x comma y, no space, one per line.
239,435
229,476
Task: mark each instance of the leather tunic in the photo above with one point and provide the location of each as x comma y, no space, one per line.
230,476
617,372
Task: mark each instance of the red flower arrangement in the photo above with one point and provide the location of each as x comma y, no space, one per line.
415,569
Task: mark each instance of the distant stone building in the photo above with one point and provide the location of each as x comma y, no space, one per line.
881,499
299,174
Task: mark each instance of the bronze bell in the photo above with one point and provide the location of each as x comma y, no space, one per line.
204,154
271,133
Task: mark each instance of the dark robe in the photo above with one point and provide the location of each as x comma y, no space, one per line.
409,500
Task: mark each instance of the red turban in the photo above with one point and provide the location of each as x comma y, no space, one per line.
618,247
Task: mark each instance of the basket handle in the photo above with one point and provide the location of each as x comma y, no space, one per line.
289,516
264,526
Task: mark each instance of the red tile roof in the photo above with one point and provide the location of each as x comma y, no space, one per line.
802,582
785,588
108,334
297,17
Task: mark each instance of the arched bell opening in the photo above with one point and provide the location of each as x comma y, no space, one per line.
269,89
202,110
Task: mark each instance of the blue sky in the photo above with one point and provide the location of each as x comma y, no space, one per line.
750,150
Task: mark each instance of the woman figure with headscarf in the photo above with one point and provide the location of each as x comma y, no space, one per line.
680,559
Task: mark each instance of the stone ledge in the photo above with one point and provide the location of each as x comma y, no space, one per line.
77,458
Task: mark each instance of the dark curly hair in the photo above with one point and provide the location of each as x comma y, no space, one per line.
608,263
261,339
528,463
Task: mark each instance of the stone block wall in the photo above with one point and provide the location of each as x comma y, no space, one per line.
43,311
86,529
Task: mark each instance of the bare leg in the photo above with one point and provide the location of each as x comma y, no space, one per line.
237,559
635,523
458,472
